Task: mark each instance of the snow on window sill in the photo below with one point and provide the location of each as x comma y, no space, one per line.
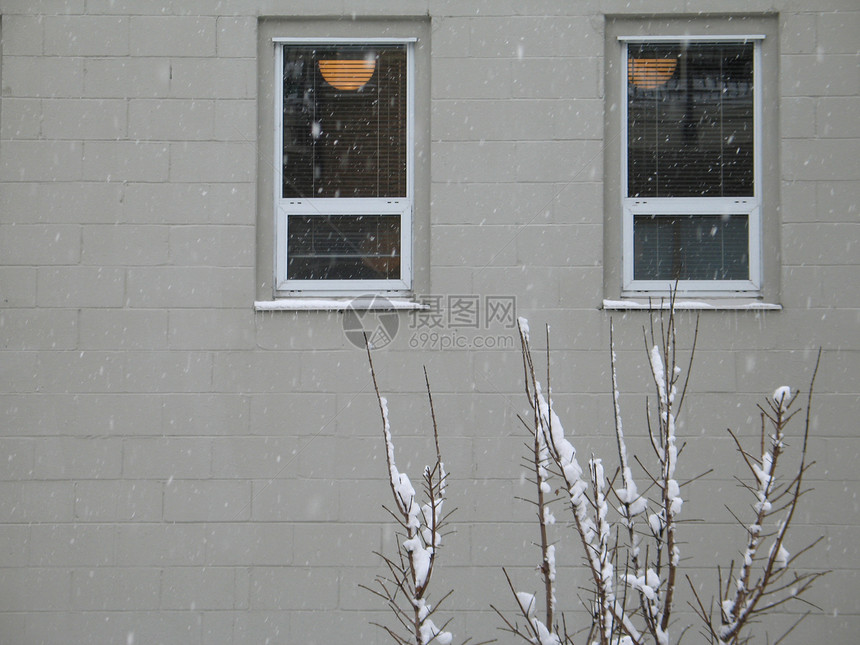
726,304
338,304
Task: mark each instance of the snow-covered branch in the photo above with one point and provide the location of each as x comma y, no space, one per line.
657,599
629,536
760,585
405,589
590,515
537,631
633,556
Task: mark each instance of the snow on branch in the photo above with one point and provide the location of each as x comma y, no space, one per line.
765,579
551,453
405,588
631,547
627,537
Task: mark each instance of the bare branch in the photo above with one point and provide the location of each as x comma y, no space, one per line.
407,590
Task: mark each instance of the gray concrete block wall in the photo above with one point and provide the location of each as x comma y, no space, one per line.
178,468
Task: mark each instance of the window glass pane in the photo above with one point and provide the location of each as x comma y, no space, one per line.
690,119
344,121
343,247
690,247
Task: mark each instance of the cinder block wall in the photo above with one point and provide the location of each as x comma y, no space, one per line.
178,468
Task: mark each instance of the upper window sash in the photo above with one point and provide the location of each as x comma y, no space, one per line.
750,205
388,204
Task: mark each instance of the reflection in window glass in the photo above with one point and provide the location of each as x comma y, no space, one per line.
690,247
343,247
344,121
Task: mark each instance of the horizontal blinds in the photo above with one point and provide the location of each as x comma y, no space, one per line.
344,121
690,127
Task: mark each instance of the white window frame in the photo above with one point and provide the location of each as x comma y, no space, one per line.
402,206
750,206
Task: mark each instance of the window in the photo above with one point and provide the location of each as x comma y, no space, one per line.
691,169
343,165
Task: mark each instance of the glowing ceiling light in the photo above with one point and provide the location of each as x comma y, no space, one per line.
346,74
650,73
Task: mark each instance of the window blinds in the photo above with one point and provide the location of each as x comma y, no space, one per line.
690,124
344,142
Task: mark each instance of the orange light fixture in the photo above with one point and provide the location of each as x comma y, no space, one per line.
347,74
650,73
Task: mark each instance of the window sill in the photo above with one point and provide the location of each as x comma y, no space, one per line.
727,304
338,304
